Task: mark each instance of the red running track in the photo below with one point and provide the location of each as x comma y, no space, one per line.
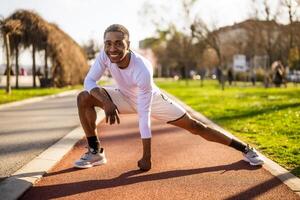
185,166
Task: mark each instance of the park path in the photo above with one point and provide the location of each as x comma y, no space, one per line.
184,167
27,129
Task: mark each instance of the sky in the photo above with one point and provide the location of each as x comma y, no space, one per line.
87,19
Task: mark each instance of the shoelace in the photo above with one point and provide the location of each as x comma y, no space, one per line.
252,152
85,156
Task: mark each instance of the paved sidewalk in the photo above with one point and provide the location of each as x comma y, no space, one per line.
184,167
28,128
31,126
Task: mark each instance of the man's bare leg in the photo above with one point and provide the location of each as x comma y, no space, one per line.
193,126
198,128
86,104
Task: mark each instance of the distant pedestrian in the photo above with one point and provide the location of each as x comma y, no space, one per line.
219,75
23,71
230,75
136,93
278,73
253,77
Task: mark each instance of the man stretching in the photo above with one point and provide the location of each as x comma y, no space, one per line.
135,93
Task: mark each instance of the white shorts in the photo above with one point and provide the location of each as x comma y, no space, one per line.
163,108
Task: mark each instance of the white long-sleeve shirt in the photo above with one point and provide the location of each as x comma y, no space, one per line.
135,82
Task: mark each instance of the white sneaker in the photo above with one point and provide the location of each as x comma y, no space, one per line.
91,158
252,157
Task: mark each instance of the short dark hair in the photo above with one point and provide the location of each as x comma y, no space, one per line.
117,28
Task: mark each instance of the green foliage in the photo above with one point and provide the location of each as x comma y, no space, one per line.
294,58
174,50
266,118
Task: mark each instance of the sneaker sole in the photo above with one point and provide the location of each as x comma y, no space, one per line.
251,163
102,162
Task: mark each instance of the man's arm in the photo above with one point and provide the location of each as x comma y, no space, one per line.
90,84
144,101
145,163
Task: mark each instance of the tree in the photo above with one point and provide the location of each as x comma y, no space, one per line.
5,35
91,48
15,47
291,8
211,38
180,49
173,46
269,33
7,27
69,63
8,64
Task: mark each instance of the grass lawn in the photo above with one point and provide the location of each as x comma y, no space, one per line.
20,94
268,119
25,93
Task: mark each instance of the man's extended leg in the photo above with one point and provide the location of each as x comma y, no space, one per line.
198,128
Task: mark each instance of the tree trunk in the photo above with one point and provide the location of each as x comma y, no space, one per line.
17,66
267,70
8,66
221,64
46,64
222,80
186,72
33,66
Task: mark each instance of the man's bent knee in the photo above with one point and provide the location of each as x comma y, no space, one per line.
83,96
85,99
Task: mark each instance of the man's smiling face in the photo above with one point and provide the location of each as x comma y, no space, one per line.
116,46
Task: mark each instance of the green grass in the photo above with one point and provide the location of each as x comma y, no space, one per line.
20,94
25,93
268,119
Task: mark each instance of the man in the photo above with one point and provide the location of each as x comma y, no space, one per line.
278,73
135,93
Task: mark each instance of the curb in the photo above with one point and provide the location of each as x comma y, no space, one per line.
14,186
37,99
292,181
